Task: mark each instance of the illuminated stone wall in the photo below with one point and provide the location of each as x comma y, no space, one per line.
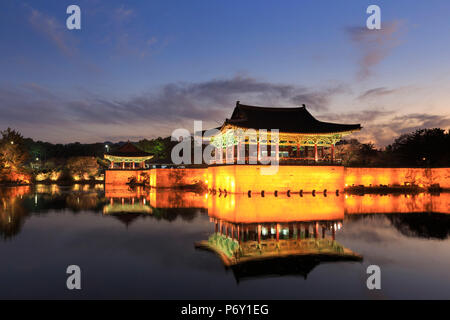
242,178
397,176
169,178
121,176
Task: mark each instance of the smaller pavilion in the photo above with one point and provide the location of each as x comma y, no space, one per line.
128,157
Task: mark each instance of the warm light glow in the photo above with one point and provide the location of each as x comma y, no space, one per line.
243,209
55,175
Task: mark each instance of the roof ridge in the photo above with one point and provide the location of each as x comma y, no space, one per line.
287,119
271,108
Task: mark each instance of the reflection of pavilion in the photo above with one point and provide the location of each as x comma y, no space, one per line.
266,248
126,204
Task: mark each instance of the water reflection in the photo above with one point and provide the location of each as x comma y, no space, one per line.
252,237
422,215
12,210
266,249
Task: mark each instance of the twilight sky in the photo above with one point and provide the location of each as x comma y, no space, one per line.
144,68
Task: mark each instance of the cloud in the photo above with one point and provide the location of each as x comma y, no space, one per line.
53,31
29,103
374,45
384,132
122,13
363,116
210,100
414,121
159,111
376,92
125,36
43,113
381,127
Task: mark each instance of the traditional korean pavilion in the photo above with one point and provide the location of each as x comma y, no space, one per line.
301,137
127,156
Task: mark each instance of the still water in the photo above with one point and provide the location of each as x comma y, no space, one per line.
184,245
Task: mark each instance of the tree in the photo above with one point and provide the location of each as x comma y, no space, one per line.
13,155
348,151
367,154
82,167
424,147
159,147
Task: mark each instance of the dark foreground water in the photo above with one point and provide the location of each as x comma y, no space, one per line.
147,244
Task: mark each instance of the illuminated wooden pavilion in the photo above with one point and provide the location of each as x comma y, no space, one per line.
127,156
301,137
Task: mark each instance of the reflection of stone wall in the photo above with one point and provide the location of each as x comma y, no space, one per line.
242,178
397,176
257,209
422,202
176,199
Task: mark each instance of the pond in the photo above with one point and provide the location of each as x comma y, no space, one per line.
167,244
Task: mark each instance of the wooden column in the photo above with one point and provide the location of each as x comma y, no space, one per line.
316,155
332,153
239,151
316,230
232,147
277,150
112,165
258,150
298,150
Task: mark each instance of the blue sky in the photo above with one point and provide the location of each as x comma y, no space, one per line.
144,68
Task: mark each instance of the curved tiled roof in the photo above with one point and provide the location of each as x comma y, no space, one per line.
129,150
291,120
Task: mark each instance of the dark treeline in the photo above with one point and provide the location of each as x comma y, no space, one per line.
159,147
46,150
422,148
23,160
